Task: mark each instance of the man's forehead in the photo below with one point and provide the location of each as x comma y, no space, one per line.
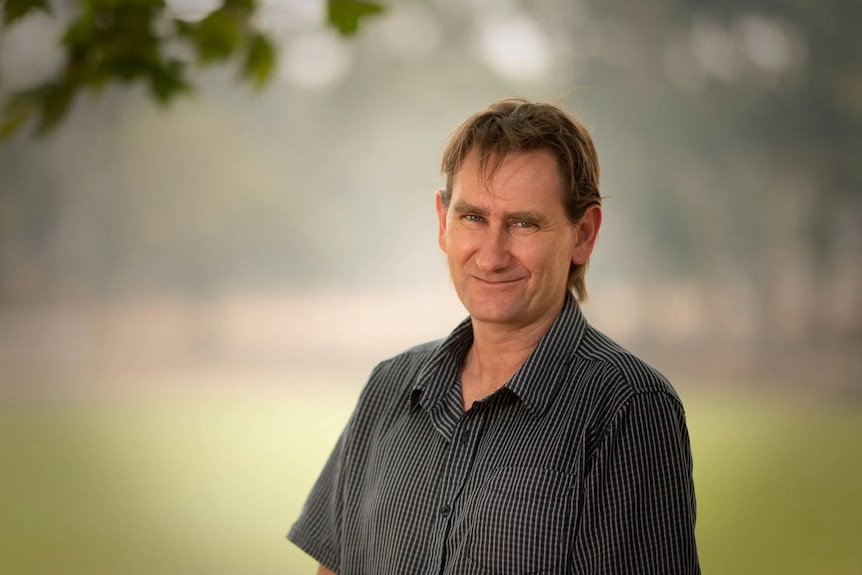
522,177
494,167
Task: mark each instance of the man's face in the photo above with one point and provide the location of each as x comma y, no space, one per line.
508,240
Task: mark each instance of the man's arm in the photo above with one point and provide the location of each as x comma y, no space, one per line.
316,530
321,570
639,505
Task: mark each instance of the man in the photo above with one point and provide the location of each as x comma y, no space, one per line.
526,441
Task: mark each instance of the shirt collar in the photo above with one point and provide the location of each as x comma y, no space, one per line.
537,381
441,370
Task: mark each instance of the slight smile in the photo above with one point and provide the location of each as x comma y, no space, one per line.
505,282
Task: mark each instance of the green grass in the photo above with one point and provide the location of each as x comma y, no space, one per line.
160,486
779,484
211,484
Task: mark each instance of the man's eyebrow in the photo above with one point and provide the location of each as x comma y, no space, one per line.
527,216
463,207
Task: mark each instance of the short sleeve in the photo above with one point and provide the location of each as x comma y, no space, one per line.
639,503
318,529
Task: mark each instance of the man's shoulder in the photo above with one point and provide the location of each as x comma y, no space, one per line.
622,370
399,372
613,380
388,388
414,357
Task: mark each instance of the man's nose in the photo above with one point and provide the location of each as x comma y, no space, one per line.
494,249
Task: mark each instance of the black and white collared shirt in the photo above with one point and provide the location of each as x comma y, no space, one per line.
579,464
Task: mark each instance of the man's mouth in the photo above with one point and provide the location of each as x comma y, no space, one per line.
496,281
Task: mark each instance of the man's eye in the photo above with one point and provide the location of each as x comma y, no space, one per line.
524,225
472,218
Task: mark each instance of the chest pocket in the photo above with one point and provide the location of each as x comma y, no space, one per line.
523,521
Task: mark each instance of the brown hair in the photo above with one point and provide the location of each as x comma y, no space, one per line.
518,125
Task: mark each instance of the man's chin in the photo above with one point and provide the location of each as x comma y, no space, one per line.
498,314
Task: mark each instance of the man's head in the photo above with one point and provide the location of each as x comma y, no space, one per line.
516,125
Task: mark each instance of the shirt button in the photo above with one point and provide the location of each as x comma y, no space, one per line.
445,510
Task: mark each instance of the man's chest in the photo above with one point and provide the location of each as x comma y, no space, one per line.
499,493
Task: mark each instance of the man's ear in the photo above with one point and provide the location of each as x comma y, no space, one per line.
586,234
442,211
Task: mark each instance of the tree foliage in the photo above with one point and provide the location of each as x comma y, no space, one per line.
129,41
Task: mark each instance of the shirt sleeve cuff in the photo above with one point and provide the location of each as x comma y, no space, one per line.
314,548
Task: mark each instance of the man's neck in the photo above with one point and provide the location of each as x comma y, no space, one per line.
497,353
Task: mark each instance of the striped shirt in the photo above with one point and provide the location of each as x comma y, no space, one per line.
579,464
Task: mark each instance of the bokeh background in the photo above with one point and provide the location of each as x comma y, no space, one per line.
191,298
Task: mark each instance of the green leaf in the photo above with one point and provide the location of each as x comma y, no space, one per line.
345,15
259,61
217,36
13,120
46,99
16,9
79,37
55,105
184,28
168,81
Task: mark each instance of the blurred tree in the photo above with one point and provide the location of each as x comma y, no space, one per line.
732,127
109,41
746,134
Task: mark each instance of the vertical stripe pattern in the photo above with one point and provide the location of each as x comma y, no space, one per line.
579,464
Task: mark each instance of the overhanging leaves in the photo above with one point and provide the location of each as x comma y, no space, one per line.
14,10
136,41
217,36
259,61
345,15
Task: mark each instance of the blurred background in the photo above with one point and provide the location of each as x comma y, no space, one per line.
192,297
